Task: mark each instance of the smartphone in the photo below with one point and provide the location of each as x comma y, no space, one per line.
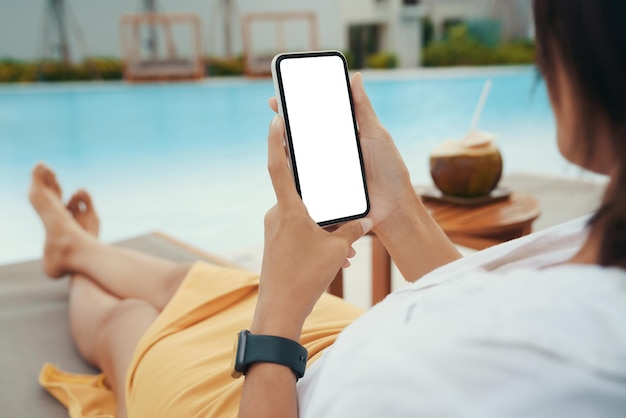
322,139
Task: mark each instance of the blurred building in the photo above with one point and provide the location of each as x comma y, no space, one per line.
373,26
363,27
359,27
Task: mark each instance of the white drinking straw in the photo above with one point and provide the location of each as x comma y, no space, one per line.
480,105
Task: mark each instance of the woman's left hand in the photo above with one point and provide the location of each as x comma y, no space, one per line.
300,258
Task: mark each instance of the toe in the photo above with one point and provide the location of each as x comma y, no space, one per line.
51,181
39,172
81,207
44,176
73,205
81,202
85,197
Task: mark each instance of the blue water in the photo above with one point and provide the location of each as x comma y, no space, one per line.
120,125
190,158
115,126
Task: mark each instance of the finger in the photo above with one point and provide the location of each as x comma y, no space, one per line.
280,174
273,102
351,253
354,230
365,114
346,264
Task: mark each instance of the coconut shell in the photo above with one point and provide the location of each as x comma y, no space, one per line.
467,173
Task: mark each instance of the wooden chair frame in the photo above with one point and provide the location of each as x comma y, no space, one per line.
131,45
279,19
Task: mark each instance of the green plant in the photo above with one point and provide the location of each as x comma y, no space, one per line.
58,71
106,68
12,71
461,49
224,66
521,52
382,60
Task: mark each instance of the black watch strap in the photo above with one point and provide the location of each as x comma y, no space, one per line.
271,349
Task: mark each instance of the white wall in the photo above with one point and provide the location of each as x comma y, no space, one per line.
330,34
367,11
407,39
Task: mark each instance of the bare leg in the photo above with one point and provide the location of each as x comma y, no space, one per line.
106,331
89,303
105,328
69,249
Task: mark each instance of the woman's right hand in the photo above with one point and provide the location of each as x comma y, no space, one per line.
388,181
412,238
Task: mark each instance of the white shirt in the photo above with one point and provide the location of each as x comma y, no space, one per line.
506,332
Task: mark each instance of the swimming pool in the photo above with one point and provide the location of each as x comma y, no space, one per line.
189,159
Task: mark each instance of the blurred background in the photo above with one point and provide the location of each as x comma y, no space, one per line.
230,36
159,108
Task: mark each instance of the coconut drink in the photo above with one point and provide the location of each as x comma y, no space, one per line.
471,167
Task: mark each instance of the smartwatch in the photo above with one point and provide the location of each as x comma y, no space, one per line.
250,349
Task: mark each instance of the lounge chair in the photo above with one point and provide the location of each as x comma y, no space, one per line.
34,327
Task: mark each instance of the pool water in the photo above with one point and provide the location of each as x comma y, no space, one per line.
190,159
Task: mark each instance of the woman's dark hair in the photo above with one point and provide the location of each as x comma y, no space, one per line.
587,40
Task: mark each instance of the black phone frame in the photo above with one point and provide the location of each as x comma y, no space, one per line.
292,155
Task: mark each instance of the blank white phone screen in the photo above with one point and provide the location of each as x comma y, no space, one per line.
323,137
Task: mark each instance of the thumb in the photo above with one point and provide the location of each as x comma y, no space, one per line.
364,112
354,230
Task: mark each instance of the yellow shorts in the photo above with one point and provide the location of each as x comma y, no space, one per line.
181,366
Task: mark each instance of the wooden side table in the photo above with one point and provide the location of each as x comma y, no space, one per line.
477,227
480,227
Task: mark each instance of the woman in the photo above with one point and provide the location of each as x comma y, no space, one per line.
534,327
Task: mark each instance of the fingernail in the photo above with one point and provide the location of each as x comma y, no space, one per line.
274,120
360,78
367,225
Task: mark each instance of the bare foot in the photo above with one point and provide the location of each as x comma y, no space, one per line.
63,234
82,209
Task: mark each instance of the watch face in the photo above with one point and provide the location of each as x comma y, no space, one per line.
239,350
